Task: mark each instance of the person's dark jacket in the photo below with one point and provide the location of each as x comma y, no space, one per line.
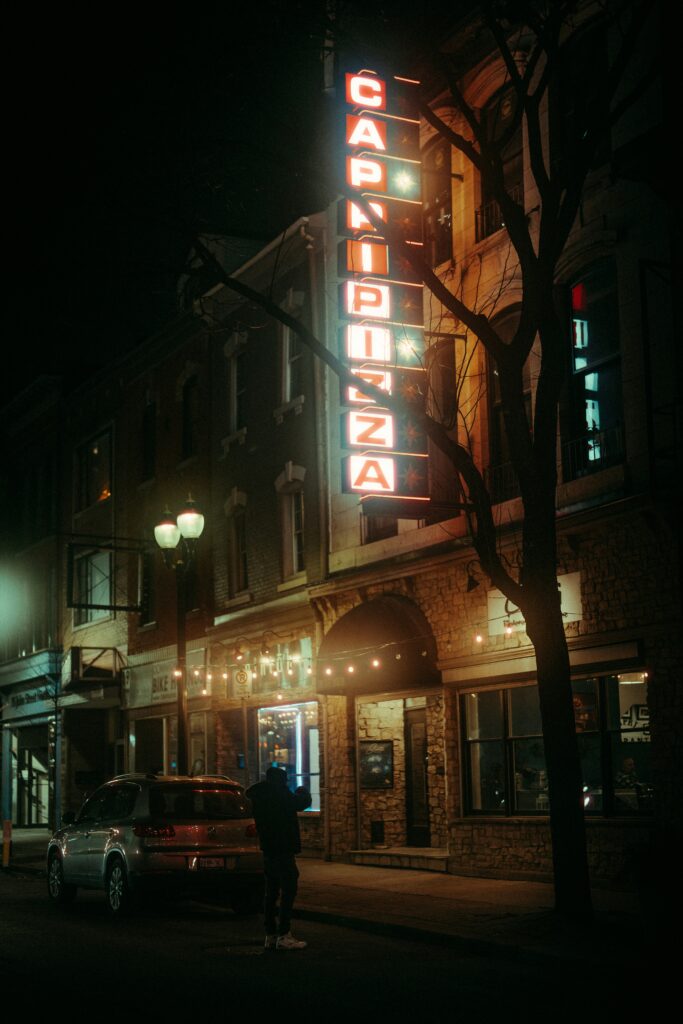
275,808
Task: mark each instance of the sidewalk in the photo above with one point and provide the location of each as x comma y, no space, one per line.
476,915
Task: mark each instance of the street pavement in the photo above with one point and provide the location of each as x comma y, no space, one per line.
512,919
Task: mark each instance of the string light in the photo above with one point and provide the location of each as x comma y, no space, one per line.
350,669
478,639
376,662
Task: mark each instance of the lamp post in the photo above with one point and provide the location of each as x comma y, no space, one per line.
179,535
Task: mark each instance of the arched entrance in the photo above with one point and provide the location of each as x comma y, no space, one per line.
382,656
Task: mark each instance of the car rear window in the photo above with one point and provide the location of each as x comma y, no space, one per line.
197,802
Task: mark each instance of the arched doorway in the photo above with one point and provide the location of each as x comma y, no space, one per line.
382,656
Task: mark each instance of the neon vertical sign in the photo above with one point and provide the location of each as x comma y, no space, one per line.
380,302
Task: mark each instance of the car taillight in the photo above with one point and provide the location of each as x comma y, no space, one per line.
154,831
251,832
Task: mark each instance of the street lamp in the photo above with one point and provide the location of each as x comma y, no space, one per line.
180,535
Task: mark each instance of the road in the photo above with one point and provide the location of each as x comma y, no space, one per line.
202,958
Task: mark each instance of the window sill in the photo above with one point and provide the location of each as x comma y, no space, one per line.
239,437
88,508
146,485
148,627
189,460
244,597
300,580
296,406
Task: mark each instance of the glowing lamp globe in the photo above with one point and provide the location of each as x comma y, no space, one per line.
166,533
190,521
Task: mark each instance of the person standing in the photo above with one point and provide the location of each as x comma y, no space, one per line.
275,813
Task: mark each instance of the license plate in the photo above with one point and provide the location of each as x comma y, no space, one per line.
212,862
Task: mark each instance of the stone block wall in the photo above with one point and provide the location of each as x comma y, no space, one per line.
383,720
339,782
436,772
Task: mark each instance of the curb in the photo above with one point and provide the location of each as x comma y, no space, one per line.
462,943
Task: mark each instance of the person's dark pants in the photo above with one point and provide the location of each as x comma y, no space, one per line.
282,875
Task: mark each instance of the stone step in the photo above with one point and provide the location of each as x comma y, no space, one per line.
418,859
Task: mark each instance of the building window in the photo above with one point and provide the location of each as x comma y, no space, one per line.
500,477
289,486
374,528
292,365
498,118
92,587
191,417
505,770
577,93
146,588
437,203
289,738
237,391
93,471
149,440
592,420
237,553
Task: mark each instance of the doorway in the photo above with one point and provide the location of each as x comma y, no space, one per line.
417,797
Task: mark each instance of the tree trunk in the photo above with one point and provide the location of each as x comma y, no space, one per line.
567,824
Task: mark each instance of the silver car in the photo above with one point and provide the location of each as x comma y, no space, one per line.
166,833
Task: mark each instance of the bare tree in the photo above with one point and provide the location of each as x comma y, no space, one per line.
528,39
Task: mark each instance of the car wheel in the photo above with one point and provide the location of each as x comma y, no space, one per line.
57,889
116,889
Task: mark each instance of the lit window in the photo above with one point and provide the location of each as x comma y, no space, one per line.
592,410
93,471
289,738
436,209
498,122
505,771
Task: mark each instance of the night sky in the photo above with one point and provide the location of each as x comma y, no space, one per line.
131,132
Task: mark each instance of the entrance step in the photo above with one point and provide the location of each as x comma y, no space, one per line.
418,858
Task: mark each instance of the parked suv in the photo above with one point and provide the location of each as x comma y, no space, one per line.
171,833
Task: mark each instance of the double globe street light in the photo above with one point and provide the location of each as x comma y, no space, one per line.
177,537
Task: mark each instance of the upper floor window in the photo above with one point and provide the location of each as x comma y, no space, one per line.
500,476
498,119
92,587
292,356
592,414
93,471
235,353
578,91
146,587
437,203
292,363
237,391
237,551
191,417
289,486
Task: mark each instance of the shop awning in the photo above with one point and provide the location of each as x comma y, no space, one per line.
382,645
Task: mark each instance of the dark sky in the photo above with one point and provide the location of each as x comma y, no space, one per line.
130,132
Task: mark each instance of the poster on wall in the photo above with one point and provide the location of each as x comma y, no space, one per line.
376,764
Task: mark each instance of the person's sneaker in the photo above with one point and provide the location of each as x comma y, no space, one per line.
271,942
289,942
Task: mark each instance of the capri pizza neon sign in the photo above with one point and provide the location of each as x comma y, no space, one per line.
380,304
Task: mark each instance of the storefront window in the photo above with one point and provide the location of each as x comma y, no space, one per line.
289,738
629,740
505,770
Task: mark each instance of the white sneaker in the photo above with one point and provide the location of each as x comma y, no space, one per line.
271,942
289,942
